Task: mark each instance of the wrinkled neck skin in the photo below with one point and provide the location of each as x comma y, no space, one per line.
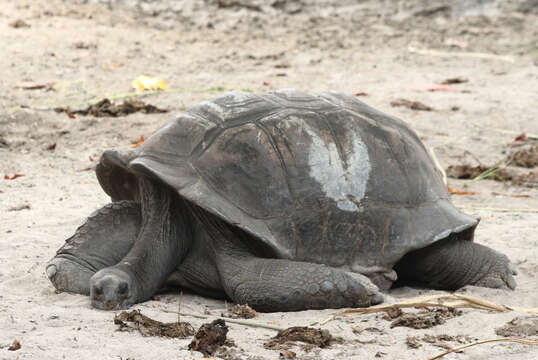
163,241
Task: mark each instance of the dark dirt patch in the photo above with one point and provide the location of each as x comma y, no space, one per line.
526,157
240,312
425,319
519,327
413,105
317,337
210,337
134,320
107,108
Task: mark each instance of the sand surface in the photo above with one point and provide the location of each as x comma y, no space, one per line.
93,50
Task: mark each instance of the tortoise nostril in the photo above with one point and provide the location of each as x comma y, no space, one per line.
98,290
123,288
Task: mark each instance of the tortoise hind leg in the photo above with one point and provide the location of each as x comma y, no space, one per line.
453,263
102,241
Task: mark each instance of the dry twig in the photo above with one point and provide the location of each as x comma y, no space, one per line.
517,340
460,301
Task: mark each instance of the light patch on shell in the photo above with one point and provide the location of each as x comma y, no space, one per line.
339,183
234,97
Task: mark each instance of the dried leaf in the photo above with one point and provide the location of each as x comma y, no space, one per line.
69,114
138,142
34,86
149,83
15,346
459,192
12,177
454,80
51,147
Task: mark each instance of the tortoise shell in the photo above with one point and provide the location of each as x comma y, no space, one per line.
324,179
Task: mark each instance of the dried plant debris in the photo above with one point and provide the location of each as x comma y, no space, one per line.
3,143
210,337
392,313
454,80
527,326
425,319
237,311
465,171
413,342
134,320
107,108
529,179
526,157
413,105
19,23
443,341
16,345
317,337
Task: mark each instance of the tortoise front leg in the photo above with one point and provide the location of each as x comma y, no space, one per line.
282,285
160,246
103,240
453,263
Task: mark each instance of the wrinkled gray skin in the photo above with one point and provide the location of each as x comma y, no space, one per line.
284,201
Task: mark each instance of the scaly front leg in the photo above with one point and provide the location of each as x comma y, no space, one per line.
162,243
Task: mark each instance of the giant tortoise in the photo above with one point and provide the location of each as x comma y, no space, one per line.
285,201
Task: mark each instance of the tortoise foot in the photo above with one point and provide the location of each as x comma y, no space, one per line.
68,275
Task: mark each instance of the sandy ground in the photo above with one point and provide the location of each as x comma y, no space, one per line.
93,51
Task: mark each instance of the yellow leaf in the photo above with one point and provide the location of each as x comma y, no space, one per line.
149,83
